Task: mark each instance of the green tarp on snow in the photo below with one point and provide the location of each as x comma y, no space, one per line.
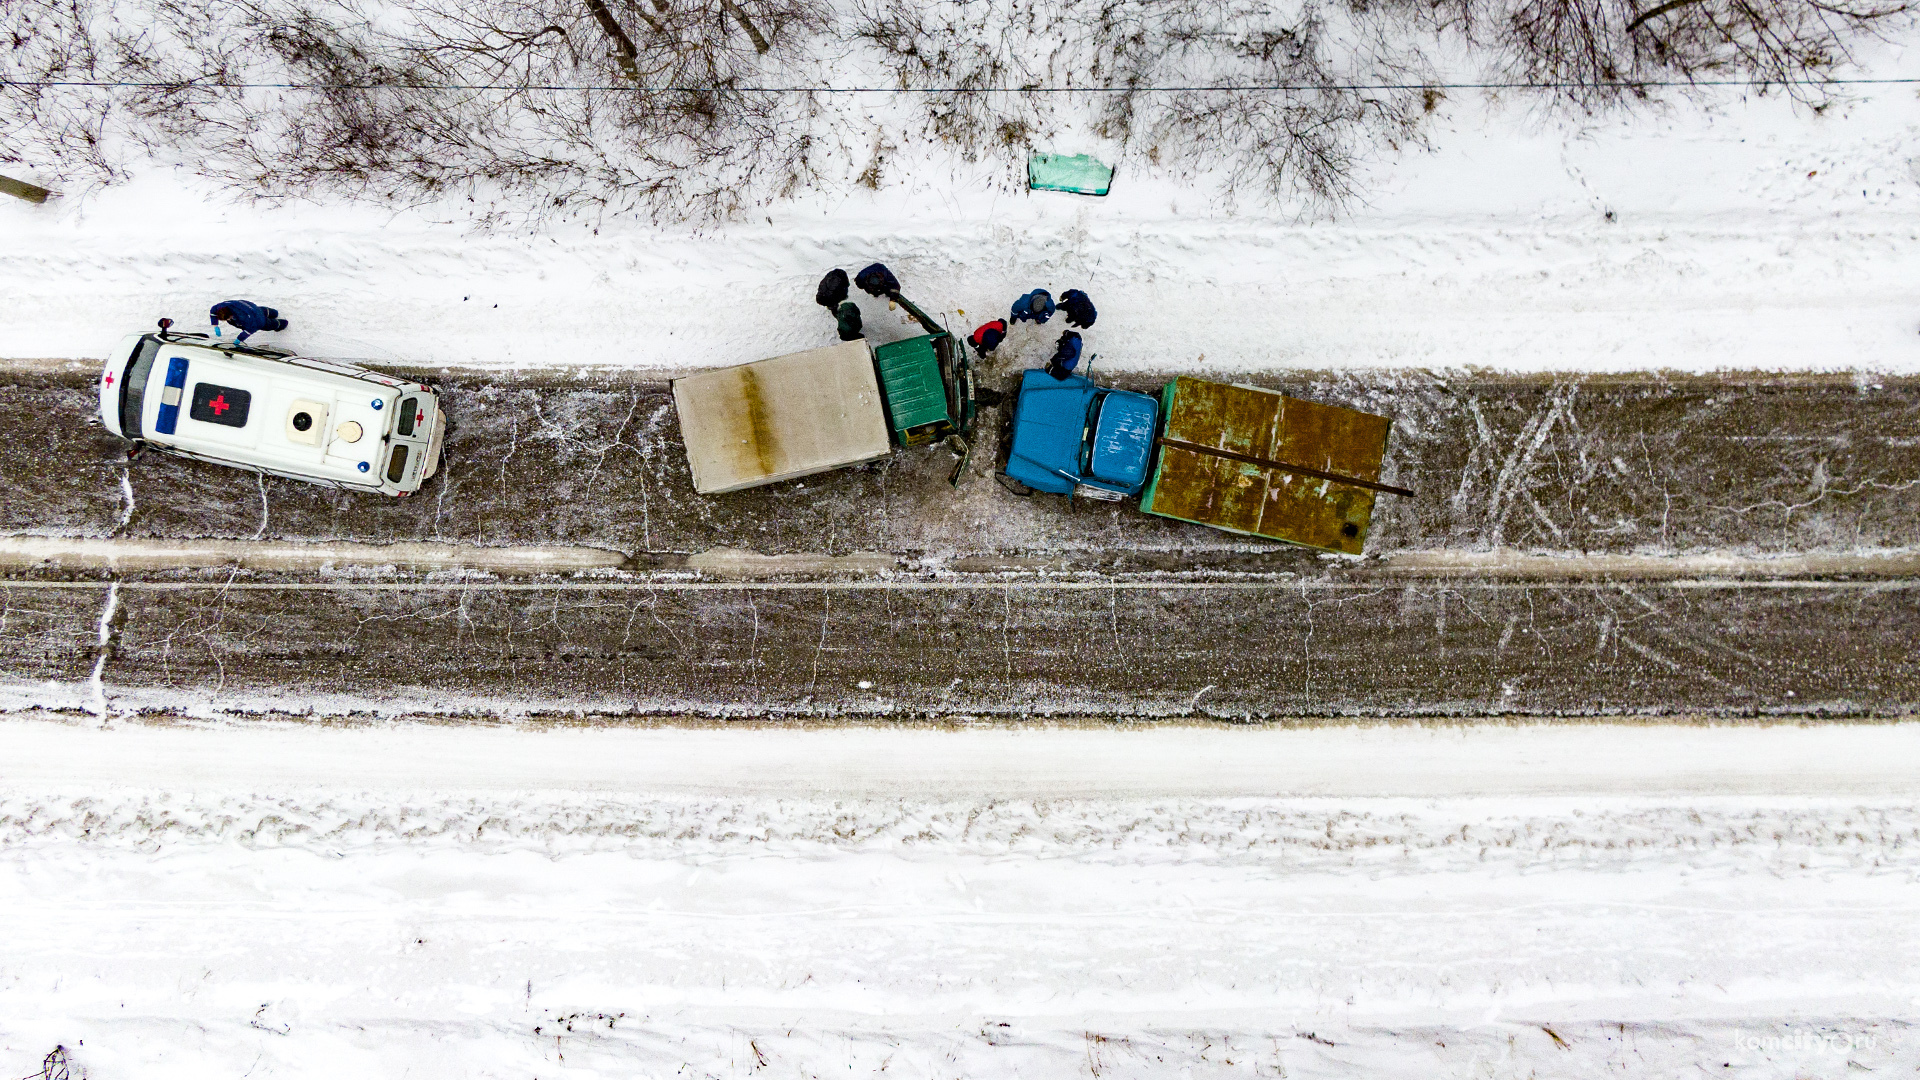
1078,173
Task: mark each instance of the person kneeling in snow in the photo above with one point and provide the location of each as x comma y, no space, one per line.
250,317
847,316
1066,357
1036,306
1078,309
988,337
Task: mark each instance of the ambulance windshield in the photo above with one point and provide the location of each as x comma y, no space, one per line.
133,387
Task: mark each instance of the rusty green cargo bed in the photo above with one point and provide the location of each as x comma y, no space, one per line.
1258,462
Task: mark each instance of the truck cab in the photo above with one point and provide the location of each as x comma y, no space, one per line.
1071,437
320,421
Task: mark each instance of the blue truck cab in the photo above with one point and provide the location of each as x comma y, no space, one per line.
1072,437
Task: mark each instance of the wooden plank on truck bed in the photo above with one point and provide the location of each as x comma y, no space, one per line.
1238,490
780,419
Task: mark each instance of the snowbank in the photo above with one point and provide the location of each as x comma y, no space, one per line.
1744,234
289,901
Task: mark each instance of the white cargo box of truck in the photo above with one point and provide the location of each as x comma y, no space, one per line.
783,418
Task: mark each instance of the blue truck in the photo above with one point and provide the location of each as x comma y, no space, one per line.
1232,457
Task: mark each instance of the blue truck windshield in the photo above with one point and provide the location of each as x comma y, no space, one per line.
1120,438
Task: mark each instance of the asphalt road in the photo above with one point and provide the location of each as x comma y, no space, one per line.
1594,464
933,650
1659,466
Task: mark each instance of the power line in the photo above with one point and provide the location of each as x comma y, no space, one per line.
1621,84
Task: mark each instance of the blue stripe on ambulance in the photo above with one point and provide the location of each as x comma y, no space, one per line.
170,396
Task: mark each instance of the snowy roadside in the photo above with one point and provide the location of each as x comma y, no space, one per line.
1742,235
1869,761
416,901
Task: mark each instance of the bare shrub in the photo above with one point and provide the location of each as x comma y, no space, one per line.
985,50
555,104
61,130
1290,124
554,101
359,119
658,106
1599,52
1326,90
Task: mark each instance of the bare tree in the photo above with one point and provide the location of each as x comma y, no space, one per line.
1292,107
663,106
60,129
553,104
971,48
674,123
1598,52
1279,111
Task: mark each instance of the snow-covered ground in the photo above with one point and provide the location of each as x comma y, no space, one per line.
1744,232
423,901
427,901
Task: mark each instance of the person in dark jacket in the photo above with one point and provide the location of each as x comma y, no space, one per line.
1078,309
988,337
250,317
1036,306
1066,357
832,291
848,316
877,280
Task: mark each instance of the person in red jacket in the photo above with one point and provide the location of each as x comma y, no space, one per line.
988,337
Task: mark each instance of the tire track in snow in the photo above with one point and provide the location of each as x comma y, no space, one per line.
110,621
1296,835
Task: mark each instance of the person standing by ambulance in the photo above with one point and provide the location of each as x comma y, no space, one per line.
248,316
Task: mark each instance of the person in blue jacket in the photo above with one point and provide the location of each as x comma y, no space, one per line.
1078,309
250,317
877,280
1036,306
1066,357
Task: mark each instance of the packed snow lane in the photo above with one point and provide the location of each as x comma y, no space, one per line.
627,764
283,901
966,648
1769,463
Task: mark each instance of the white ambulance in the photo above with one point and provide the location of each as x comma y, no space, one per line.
322,421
